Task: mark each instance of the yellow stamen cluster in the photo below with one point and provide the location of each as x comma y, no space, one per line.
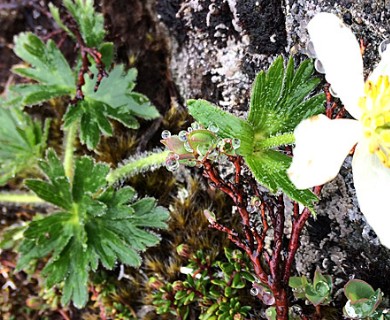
376,117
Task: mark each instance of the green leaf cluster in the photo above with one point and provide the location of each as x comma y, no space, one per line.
317,292
94,225
363,301
281,99
53,77
22,142
214,287
89,22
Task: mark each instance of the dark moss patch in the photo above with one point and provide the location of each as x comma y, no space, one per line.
264,22
167,10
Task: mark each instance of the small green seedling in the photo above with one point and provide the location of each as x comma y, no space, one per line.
318,292
212,287
363,301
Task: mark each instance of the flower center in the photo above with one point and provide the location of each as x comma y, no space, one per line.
376,117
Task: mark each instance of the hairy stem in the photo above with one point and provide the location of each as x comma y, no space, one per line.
70,137
20,198
134,167
276,141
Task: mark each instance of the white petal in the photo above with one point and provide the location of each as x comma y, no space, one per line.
321,147
339,53
383,68
372,184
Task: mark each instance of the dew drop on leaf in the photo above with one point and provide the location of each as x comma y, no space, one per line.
165,134
236,143
383,46
213,127
332,92
213,155
318,66
195,126
254,291
188,147
190,129
310,51
182,135
251,209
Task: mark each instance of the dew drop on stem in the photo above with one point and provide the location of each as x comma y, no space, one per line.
172,164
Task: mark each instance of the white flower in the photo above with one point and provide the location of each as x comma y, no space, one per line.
322,144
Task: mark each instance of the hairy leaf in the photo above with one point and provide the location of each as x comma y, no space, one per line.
279,99
99,224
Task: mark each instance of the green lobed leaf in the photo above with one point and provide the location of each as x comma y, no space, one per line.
279,98
99,224
22,141
229,126
113,100
48,67
269,168
89,177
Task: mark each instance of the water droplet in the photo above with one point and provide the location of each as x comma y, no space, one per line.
202,149
383,46
254,291
332,92
310,51
165,134
172,164
188,147
190,129
318,66
296,309
213,155
183,135
236,143
250,209
195,126
176,156
213,127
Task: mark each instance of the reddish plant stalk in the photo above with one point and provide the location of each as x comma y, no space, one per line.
273,269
